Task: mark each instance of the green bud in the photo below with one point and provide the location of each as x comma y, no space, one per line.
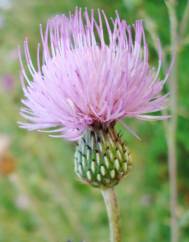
102,158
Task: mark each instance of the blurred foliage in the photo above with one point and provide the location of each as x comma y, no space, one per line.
40,198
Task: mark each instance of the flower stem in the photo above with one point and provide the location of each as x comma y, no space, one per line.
113,214
172,125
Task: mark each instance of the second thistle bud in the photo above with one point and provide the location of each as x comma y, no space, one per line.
102,158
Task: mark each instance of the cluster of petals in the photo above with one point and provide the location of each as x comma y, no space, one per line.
91,70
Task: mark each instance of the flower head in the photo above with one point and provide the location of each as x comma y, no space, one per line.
93,71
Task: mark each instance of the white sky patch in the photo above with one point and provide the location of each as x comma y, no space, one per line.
5,4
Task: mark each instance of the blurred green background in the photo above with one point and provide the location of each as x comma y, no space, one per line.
41,199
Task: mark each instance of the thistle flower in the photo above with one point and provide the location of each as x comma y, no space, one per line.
94,72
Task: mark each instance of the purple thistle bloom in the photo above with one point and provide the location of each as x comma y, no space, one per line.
84,79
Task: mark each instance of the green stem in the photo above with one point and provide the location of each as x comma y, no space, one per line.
172,125
113,214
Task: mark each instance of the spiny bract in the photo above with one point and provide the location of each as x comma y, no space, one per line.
101,158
